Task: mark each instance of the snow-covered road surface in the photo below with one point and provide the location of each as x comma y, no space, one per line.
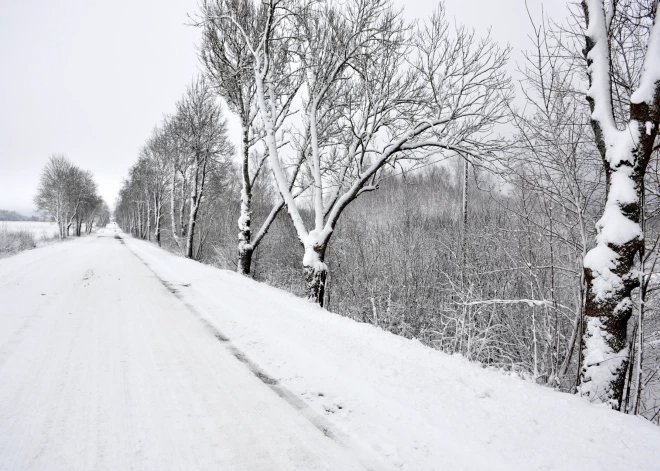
117,355
103,368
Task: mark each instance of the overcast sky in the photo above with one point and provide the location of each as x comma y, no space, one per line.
90,79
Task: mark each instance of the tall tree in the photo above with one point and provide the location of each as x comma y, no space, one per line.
625,143
201,129
228,63
355,60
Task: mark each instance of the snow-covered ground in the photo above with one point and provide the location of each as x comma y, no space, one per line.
40,230
132,358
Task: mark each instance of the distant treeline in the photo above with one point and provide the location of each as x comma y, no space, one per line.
69,196
6,215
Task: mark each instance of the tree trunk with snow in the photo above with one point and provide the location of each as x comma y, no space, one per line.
610,267
196,194
148,207
191,230
315,270
157,216
192,221
245,247
175,232
182,207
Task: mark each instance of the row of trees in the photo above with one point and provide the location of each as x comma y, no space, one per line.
69,196
179,171
337,101
346,92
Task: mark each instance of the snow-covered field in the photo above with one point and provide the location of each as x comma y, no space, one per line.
133,358
40,230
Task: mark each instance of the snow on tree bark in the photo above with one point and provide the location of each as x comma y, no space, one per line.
610,266
245,247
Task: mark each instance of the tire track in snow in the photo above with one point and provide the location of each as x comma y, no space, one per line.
284,393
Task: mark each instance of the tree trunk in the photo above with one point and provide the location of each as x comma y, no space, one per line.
609,268
245,248
315,271
244,259
175,233
192,221
191,230
138,232
315,283
182,208
148,229
157,216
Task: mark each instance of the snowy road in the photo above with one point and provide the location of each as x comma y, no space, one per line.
103,368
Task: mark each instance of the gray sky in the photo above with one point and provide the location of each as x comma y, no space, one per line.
91,79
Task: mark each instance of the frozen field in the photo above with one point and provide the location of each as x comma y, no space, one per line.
40,230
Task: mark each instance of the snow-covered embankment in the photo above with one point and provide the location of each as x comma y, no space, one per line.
400,404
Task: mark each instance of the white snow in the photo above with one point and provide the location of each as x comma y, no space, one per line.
600,361
620,145
311,257
601,260
413,407
40,230
613,227
622,189
102,368
651,70
649,127
110,370
600,67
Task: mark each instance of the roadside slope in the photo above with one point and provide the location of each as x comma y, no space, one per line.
414,407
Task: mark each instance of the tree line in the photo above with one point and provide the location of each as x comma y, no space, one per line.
532,250
69,196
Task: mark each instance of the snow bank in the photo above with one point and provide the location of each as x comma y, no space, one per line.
392,399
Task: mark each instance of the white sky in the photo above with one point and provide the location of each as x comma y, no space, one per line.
90,78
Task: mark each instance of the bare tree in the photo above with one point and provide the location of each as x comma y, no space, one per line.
156,154
202,131
67,194
446,100
555,166
228,63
